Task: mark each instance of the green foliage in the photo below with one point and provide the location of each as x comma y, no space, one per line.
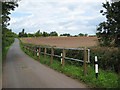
5,50
7,34
109,31
108,58
66,34
22,34
38,34
54,33
105,79
81,35
45,34
30,35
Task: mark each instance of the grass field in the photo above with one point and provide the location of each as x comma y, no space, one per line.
66,42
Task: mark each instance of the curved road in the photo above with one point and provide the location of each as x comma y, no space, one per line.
21,71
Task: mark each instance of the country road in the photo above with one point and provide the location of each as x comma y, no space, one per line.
21,71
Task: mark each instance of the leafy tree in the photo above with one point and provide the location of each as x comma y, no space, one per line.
85,35
109,30
25,35
54,33
81,35
45,34
30,35
66,34
38,33
22,34
6,8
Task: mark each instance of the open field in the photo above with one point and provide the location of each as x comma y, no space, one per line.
66,42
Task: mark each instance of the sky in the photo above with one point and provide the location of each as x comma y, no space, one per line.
62,16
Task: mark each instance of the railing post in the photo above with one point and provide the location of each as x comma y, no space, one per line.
85,64
52,53
39,52
63,58
45,53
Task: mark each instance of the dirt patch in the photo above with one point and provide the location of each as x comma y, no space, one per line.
66,42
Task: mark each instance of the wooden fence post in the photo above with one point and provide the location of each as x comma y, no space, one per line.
45,53
39,52
52,53
34,51
63,58
85,64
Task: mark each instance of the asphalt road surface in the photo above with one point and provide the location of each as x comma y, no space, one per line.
21,71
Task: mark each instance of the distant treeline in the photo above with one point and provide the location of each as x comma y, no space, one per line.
53,33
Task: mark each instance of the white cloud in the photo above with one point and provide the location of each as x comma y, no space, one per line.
72,16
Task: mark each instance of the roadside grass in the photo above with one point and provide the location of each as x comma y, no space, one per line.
4,56
5,52
106,79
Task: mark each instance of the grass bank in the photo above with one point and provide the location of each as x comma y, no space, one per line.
4,53
106,79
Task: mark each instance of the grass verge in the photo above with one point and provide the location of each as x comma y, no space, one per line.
4,56
5,52
106,79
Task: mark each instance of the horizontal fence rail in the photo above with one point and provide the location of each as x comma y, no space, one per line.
37,49
60,49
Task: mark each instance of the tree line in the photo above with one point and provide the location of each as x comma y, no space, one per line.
45,34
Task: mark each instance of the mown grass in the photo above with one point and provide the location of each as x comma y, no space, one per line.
106,79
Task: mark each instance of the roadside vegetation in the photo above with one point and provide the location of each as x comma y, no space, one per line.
7,34
106,79
6,48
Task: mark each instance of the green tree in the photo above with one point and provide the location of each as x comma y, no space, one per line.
45,34
66,34
85,35
22,34
109,30
38,33
81,35
54,33
6,8
31,35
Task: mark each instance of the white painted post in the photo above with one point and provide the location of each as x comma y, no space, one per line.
88,55
37,52
61,58
96,66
